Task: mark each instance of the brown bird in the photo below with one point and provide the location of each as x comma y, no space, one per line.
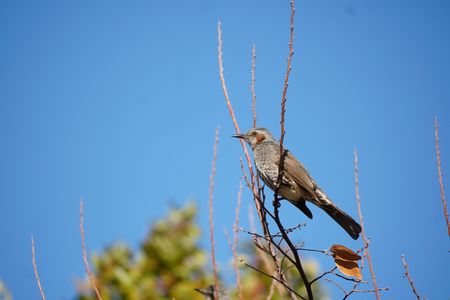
296,185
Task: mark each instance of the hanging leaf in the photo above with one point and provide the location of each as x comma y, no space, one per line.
346,261
344,253
349,268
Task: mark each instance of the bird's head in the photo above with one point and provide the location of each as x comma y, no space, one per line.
256,136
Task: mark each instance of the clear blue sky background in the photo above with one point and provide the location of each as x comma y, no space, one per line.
118,101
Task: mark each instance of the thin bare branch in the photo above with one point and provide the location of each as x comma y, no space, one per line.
85,258
35,268
286,76
323,274
253,178
258,194
271,290
363,231
298,262
363,291
275,278
211,218
441,184
235,242
253,86
408,276
262,252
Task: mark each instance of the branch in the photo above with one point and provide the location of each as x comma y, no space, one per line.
83,248
283,153
286,76
411,282
211,222
253,178
253,85
363,231
33,260
276,279
441,184
261,252
233,245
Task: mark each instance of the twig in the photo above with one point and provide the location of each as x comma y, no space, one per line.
255,186
363,231
254,179
244,175
275,278
286,76
441,184
83,248
235,242
271,290
323,274
261,252
211,219
33,260
365,291
298,263
411,282
236,127
313,250
253,85
336,284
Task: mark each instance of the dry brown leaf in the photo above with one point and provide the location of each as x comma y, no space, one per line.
346,260
349,268
344,253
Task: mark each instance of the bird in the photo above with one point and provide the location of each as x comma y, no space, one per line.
296,184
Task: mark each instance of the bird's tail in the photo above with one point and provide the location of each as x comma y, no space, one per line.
344,220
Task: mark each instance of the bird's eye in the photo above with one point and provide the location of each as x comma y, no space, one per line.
254,133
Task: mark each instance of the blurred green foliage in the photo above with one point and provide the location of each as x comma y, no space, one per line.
4,293
170,264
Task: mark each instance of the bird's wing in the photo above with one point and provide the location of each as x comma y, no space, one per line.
294,170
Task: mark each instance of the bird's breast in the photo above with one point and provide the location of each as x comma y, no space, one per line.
268,171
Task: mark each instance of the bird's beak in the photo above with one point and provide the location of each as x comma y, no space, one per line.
239,136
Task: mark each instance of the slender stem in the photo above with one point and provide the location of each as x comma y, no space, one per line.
211,218
363,231
408,276
253,86
36,274
85,258
441,184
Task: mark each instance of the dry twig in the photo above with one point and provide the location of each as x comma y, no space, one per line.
276,279
233,245
441,184
363,231
261,252
36,274
85,258
211,221
411,282
297,262
253,178
253,85
258,193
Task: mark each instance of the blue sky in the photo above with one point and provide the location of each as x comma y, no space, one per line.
118,103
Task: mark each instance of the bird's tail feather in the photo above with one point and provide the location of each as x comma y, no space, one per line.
302,206
344,220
